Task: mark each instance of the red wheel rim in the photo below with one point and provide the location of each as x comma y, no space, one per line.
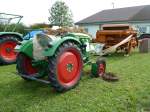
69,67
101,69
28,66
7,51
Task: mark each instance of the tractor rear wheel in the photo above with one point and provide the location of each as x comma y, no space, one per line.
24,66
7,53
65,67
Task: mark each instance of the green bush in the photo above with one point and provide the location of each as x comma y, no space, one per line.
20,28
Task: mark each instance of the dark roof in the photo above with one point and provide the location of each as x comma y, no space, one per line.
137,13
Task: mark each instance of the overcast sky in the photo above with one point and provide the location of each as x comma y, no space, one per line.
36,11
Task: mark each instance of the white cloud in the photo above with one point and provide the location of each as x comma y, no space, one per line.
36,11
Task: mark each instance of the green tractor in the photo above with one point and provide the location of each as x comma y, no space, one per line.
8,38
59,59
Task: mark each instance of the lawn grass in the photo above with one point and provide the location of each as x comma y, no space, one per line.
130,94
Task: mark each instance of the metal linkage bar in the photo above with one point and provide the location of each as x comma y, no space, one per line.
10,14
34,78
9,18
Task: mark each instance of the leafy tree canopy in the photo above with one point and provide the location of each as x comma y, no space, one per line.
60,14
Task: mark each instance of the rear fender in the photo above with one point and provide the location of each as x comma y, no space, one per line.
57,43
27,46
16,35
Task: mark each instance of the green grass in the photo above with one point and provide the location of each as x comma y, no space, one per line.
130,94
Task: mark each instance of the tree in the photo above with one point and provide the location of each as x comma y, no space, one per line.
60,14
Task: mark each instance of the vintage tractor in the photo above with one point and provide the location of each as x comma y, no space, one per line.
60,59
8,39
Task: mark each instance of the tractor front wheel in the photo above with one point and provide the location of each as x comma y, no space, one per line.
65,67
101,63
24,66
99,68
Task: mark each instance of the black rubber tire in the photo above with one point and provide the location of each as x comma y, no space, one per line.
21,66
53,67
98,62
4,39
143,36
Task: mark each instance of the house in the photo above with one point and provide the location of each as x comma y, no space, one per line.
138,16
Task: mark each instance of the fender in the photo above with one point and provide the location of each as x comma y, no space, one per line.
27,45
26,48
57,43
15,34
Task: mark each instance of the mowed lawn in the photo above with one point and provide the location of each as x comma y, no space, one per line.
130,94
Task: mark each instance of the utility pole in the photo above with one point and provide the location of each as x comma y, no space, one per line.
113,5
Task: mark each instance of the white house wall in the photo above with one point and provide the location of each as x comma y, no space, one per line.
92,29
